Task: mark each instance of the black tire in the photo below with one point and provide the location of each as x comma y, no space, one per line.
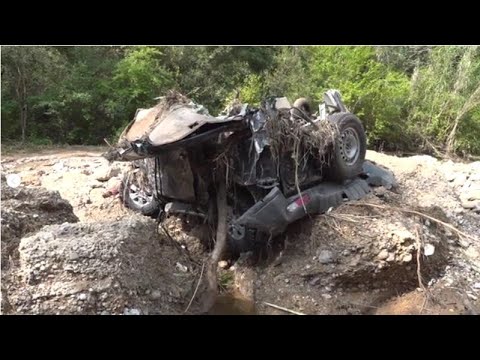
349,149
143,203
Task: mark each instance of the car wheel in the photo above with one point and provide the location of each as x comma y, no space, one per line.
139,195
349,149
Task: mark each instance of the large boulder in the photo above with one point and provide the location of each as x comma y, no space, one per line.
115,267
26,210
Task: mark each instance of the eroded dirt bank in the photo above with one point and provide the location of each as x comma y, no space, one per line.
95,256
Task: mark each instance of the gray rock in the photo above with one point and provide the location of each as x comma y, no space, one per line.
131,312
73,256
140,263
156,294
325,257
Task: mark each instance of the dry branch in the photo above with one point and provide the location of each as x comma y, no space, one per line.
284,309
451,227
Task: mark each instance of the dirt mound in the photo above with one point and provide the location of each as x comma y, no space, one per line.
26,210
354,251
112,267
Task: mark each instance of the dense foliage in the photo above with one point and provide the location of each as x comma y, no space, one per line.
418,98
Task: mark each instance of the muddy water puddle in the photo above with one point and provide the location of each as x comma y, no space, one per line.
232,304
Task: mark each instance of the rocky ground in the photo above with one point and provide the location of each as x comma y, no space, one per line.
70,246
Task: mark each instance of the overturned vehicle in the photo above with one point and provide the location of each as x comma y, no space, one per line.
279,163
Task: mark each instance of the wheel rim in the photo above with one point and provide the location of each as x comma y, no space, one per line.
350,146
140,197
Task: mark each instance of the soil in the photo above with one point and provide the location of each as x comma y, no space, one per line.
97,257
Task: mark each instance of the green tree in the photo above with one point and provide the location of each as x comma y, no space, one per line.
445,98
27,72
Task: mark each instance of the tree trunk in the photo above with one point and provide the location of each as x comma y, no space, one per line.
21,90
472,102
451,137
23,120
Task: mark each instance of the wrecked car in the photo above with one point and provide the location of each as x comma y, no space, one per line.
280,162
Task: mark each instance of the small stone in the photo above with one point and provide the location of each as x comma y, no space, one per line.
471,296
463,243
391,257
346,252
287,281
407,258
223,264
181,267
82,297
428,249
73,256
383,255
325,257
476,285
156,294
131,312
326,296
106,174
104,312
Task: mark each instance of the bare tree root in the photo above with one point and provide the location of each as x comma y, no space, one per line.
426,293
211,291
